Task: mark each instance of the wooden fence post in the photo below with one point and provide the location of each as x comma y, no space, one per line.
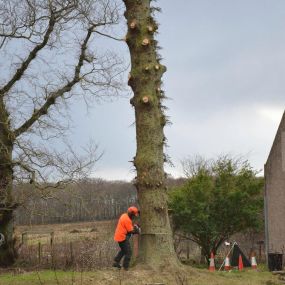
187,249
24,237
71,254
51,238
100,257
40,252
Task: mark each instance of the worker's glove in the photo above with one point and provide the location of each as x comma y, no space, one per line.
137,229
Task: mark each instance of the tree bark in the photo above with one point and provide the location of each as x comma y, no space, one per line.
7,251
156,245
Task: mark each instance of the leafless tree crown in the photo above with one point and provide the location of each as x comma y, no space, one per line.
48,55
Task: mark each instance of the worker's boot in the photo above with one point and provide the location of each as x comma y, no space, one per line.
117,264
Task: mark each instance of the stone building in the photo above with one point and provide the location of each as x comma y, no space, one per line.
274,194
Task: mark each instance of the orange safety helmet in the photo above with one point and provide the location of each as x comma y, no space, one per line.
133,210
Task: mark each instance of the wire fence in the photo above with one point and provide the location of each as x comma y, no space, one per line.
76,251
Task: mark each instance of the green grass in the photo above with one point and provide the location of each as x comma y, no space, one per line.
188,276
50,277
43,277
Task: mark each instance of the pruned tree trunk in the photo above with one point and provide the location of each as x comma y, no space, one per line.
156,247
7,252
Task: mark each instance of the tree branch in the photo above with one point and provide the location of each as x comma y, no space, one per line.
25,64
26,168
108,36
196,240
43,110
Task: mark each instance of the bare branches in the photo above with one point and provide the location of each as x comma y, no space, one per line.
38,21
51,100
50,168
20,71
192,165
109,36
26,19
49,55
54,17
94,76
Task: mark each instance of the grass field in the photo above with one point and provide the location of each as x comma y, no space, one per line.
187,276
67,232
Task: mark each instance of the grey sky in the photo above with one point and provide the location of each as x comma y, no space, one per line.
225,78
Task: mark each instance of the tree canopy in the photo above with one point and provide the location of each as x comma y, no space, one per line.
220,198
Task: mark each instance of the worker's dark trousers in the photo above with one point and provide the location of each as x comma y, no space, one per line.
125,251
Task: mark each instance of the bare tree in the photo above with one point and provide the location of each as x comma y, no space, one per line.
48,55
193,165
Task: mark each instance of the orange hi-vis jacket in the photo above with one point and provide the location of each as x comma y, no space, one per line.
124,226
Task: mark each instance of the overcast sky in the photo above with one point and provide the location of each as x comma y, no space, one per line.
225,78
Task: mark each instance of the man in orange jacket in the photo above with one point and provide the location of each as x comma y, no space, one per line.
123,233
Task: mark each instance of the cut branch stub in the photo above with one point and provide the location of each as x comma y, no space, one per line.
133,25
159,209
145,99
157,67
150,29
146,42
147,68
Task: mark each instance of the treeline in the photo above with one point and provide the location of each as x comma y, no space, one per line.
92,199
88,200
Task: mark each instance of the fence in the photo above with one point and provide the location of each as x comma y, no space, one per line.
91,246
76,255
76,249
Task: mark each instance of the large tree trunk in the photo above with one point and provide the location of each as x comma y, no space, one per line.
7,252
156,246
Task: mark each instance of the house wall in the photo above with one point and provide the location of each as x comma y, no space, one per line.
275,194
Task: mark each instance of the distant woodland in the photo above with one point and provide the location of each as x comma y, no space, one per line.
87,200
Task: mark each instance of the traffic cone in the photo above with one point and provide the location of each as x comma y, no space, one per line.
227,264
212,262
240,263
253,261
